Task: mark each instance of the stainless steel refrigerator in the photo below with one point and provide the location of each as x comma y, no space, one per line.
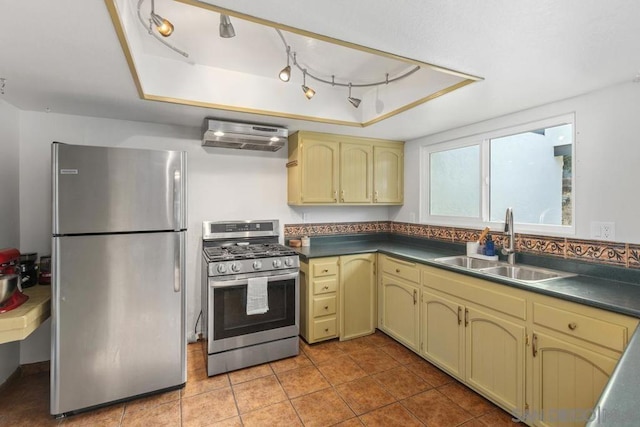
118,278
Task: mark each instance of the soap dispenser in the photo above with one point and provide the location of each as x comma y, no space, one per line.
489,247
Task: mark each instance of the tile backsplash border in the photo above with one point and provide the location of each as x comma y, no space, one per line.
595,251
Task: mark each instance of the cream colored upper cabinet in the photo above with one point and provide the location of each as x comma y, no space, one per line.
388,174
320,162
326,169
356,173
357,295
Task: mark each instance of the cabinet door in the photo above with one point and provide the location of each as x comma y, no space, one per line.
356,173
320,160
357,295
400,316
443,333
388,174
495,358
567,381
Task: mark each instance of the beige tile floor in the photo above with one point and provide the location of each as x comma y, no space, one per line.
370,381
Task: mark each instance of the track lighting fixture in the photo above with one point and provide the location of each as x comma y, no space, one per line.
164,27
285,73
354,101
308,92
226,27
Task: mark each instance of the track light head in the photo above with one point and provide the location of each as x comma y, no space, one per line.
226,27
164,26
354,101
285,74
308,92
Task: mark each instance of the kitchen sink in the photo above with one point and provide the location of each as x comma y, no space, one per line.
467,262
526,273
522,273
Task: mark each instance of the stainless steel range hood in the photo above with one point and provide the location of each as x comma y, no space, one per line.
243,136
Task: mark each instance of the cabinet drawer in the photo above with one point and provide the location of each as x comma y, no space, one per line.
590,329
329,268
404,269
323,286
324,328
324,305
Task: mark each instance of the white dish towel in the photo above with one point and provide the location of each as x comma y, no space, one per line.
257,296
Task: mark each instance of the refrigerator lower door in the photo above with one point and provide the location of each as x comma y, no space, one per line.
118,318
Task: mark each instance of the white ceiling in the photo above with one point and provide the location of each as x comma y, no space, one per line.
65,55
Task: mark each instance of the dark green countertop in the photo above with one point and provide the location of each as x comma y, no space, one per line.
614,295
592,286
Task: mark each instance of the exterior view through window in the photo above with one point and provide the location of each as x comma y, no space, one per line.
473,180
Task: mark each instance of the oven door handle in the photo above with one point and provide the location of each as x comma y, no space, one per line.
226,283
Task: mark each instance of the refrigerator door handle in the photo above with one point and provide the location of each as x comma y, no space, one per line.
177,201
179,262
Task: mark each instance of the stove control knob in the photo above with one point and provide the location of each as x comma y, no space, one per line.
235,267
222,268
277,263
257,265
288,262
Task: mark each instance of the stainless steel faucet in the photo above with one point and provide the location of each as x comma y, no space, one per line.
510,250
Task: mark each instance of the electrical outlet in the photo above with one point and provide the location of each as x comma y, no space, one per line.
603,230
608,230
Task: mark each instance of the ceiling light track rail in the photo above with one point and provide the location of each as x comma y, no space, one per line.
285,75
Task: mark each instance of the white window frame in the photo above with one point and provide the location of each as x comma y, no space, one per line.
483,140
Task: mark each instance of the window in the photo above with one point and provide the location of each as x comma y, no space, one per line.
471,181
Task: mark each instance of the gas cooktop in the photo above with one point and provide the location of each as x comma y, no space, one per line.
244,251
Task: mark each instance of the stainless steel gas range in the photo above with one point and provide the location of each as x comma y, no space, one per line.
250,295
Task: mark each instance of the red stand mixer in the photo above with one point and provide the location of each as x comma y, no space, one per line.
10,265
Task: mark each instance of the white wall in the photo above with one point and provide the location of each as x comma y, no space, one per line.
9,211
223,185
606,164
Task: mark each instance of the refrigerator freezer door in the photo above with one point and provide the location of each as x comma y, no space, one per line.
118,318
107,190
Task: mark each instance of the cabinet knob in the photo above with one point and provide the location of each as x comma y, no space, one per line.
326,307
325,271
326,329
325,288
397,270
572,326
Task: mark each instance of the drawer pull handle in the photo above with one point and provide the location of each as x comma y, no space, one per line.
459,315
325,287
325,271
415,297
534,345
326,329
466,317
572,326
397,270
326,307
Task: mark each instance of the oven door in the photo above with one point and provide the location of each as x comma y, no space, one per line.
229,325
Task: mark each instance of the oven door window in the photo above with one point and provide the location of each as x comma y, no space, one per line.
230,317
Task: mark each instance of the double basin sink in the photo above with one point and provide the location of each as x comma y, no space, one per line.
522,273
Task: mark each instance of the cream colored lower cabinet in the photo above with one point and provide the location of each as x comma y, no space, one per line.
443,332
357,295
337,297
574,350
567,381
478,345
400,315
319,299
